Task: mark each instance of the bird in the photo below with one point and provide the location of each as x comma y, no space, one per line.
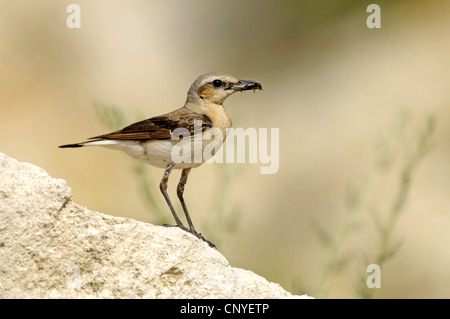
152,141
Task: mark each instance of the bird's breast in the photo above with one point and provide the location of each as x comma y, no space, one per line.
220,119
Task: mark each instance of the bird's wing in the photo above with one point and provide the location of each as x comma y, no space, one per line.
158,128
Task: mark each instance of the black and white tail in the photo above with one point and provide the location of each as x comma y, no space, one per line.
90,143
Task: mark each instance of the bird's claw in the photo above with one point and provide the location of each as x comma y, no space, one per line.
193,232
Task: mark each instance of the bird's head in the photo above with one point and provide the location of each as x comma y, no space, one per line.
215,87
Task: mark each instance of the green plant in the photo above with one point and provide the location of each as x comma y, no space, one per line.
358,200
387,246
113,117
226,216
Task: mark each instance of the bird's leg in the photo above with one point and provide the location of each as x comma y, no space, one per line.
163,188
180,191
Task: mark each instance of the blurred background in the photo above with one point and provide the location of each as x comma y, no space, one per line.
352,105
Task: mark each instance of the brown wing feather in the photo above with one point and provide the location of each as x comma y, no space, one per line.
157,128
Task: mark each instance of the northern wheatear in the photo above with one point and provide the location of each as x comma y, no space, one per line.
152,141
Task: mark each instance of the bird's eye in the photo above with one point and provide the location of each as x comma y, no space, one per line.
217,83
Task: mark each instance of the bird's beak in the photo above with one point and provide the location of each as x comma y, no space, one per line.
243,85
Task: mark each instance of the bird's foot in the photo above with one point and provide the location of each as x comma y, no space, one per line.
200,236
193,232
180,226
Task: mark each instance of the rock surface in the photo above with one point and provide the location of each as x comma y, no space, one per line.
51,247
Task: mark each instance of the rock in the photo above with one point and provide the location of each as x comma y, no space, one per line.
51,247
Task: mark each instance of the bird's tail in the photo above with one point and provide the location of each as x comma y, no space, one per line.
89,143
71,145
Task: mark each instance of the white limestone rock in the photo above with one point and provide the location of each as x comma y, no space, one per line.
51,247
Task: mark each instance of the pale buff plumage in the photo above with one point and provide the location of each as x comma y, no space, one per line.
151,141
